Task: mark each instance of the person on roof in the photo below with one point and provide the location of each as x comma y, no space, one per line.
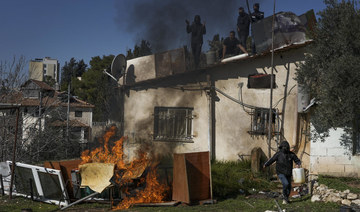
243,24
232,46
256,16
284,163
197,30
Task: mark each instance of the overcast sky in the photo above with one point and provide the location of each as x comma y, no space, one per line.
82,29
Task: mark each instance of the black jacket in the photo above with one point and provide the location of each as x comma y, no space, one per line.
284,159
256,16
243,23
197,31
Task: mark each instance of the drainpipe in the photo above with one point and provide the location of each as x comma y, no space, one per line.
212,119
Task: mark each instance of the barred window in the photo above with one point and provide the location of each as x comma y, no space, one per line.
173,124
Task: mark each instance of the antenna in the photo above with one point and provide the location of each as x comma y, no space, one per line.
118,66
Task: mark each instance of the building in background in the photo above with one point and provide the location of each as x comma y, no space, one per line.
45,70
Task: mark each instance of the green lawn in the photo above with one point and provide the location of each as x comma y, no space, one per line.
239,203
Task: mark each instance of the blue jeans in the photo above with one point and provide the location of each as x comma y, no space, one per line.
286,183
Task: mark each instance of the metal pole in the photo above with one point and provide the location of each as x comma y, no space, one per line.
271,84
2,186
68,118
14,153
284,102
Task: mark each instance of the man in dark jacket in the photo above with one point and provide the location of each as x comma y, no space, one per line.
197,30
256,16
232,46
284,163
243,23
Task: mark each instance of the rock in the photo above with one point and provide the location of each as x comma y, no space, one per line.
316,184
346,191
346,202
315,198
343,195
352,196
357,201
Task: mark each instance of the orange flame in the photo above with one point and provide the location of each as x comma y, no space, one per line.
153,191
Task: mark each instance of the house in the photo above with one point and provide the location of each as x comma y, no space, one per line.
221,108
41,106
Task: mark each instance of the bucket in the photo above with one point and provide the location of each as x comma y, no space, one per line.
210,57
298,175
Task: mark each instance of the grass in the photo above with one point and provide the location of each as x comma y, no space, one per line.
341,183
239,203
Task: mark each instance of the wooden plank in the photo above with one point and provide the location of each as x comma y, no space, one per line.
180,184
198,174
159,204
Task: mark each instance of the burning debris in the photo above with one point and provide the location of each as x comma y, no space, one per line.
138,178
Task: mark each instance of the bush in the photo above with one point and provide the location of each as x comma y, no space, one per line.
228,177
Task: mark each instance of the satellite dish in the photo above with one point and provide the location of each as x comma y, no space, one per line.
118,66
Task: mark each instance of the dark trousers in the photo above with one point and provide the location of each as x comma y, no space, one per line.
243,38
196,51
286,183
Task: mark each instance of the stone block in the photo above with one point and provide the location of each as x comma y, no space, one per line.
346,202
357,201
352,196
315,198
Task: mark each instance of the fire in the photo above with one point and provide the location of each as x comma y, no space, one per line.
126,172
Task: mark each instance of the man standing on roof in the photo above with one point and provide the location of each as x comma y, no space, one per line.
197,30
243,24
232,46
284,163
256,16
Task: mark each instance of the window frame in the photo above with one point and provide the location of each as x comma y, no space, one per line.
165,115
77,112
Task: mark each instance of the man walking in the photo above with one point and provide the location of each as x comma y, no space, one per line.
197,30
243,24
284,163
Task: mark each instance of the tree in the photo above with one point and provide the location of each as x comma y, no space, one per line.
330,72
96,87
143,49
70,70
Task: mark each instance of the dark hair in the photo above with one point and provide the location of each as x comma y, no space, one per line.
241,8
256,5
232,32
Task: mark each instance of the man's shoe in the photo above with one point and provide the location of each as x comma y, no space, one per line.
285,202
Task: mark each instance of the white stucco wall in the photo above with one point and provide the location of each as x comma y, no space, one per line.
232,122
331,158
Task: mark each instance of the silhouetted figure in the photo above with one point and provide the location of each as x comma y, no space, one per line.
243,24
255,17
284,159
232,46
197,30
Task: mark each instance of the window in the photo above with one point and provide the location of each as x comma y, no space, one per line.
260,121
261,81
173,124
78,113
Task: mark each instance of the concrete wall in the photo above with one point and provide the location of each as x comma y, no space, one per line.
331,158
232,122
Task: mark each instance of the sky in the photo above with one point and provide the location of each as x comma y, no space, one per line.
62,29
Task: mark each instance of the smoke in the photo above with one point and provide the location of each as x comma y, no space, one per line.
162,23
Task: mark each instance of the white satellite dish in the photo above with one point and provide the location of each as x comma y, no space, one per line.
118,66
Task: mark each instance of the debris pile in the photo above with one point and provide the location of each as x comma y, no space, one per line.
323,193
129,173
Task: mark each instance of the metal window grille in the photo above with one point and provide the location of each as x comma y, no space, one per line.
173,124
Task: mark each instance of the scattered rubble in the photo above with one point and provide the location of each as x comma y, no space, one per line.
323,193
